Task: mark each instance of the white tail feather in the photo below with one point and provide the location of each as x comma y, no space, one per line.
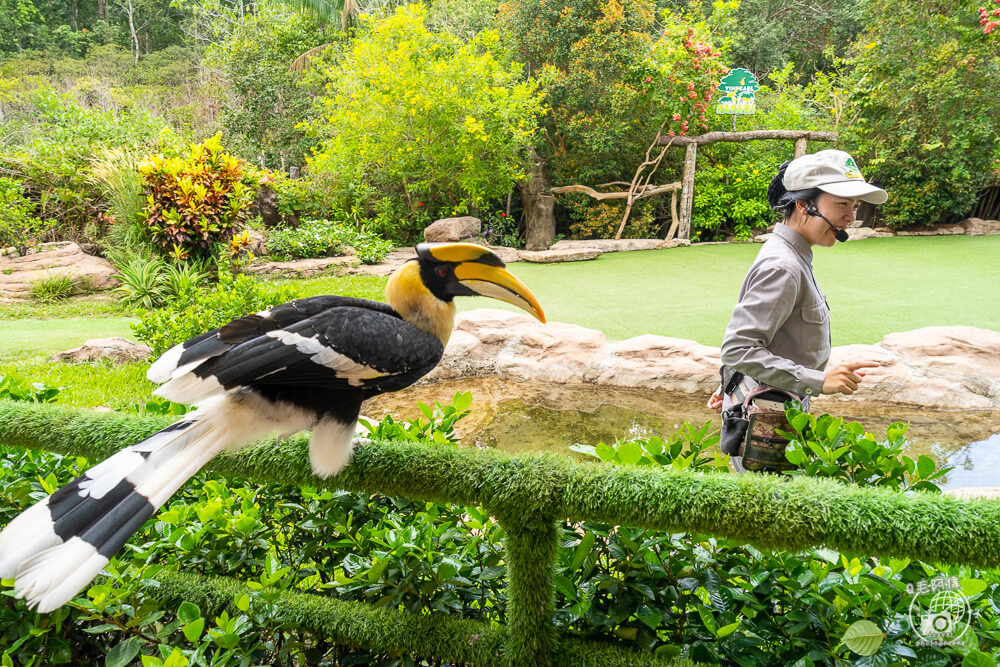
163,368
29,533
49,572
51,578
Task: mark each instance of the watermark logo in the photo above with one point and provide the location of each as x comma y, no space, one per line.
944,617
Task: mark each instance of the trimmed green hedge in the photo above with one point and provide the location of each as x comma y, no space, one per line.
391,630
529,492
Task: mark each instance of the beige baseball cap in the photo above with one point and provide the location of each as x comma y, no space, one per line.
832,171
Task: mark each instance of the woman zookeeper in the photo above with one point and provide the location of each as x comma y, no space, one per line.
779,333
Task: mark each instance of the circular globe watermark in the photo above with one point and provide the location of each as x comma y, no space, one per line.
944,618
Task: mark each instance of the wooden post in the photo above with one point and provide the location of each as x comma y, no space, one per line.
687,191
800,147
673,216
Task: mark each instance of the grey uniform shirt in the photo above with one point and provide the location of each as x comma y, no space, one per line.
779,333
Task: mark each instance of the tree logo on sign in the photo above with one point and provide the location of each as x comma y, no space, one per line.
738,88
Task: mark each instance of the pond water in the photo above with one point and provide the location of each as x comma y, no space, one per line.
515,416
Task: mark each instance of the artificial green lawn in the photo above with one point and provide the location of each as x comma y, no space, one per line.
874,287
18,337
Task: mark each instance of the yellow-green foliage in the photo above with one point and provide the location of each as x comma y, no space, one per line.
601,221
441,123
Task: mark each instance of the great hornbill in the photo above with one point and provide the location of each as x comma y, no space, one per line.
304,365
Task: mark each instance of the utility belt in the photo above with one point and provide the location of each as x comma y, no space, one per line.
751,423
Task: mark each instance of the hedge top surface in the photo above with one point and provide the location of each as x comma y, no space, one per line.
767,511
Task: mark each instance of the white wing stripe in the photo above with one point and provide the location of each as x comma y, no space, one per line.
326,356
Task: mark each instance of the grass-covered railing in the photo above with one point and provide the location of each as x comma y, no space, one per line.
528,494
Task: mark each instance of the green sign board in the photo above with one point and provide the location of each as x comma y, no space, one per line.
738,88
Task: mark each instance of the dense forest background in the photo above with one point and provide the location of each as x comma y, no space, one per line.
394,115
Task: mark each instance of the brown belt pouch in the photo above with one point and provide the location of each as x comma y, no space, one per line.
763,449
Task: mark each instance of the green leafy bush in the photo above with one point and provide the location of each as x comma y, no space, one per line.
19,228
54,141
325,238
297,197
926,127
501,229
733,198
195,201
439,425
828,446
203,310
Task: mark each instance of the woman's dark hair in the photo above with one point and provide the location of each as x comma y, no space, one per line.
783,201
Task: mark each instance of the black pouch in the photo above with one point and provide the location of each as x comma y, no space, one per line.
734,429
734,421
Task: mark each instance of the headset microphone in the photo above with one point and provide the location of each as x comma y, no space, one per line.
839,234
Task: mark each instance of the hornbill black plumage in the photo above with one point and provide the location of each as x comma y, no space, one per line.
304,365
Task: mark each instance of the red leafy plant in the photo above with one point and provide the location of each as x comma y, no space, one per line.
197,200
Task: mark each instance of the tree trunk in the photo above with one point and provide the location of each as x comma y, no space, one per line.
540,221
102,9
687,191
131,26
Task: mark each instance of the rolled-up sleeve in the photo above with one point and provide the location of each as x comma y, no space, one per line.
769,296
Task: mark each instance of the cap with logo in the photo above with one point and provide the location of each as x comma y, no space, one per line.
832,171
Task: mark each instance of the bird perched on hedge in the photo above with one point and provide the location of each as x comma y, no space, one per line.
304,365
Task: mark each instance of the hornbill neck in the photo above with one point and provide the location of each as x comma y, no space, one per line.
409,297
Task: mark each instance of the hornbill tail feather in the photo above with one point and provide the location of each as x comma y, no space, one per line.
60,544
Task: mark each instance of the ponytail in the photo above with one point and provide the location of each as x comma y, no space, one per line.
783,201
776,190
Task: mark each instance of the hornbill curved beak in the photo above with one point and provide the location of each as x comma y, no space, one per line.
468,269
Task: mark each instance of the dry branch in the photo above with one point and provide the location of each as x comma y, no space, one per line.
642,191
753,135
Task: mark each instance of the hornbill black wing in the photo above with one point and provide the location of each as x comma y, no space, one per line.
184,356
348,347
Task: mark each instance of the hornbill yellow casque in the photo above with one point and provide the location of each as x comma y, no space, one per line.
304,365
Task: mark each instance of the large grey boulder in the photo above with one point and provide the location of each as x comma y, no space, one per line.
53,259
937,368
118,350
463,228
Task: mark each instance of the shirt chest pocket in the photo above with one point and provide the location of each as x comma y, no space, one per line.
815,325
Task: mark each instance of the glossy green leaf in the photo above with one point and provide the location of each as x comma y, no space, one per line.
188,611
123,653
863,637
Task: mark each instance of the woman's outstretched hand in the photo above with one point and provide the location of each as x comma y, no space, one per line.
845,378
715,401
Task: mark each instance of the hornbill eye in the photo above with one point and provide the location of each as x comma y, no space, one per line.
442,272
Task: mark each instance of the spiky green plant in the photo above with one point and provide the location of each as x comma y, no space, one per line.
53,287
143,283
183,278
